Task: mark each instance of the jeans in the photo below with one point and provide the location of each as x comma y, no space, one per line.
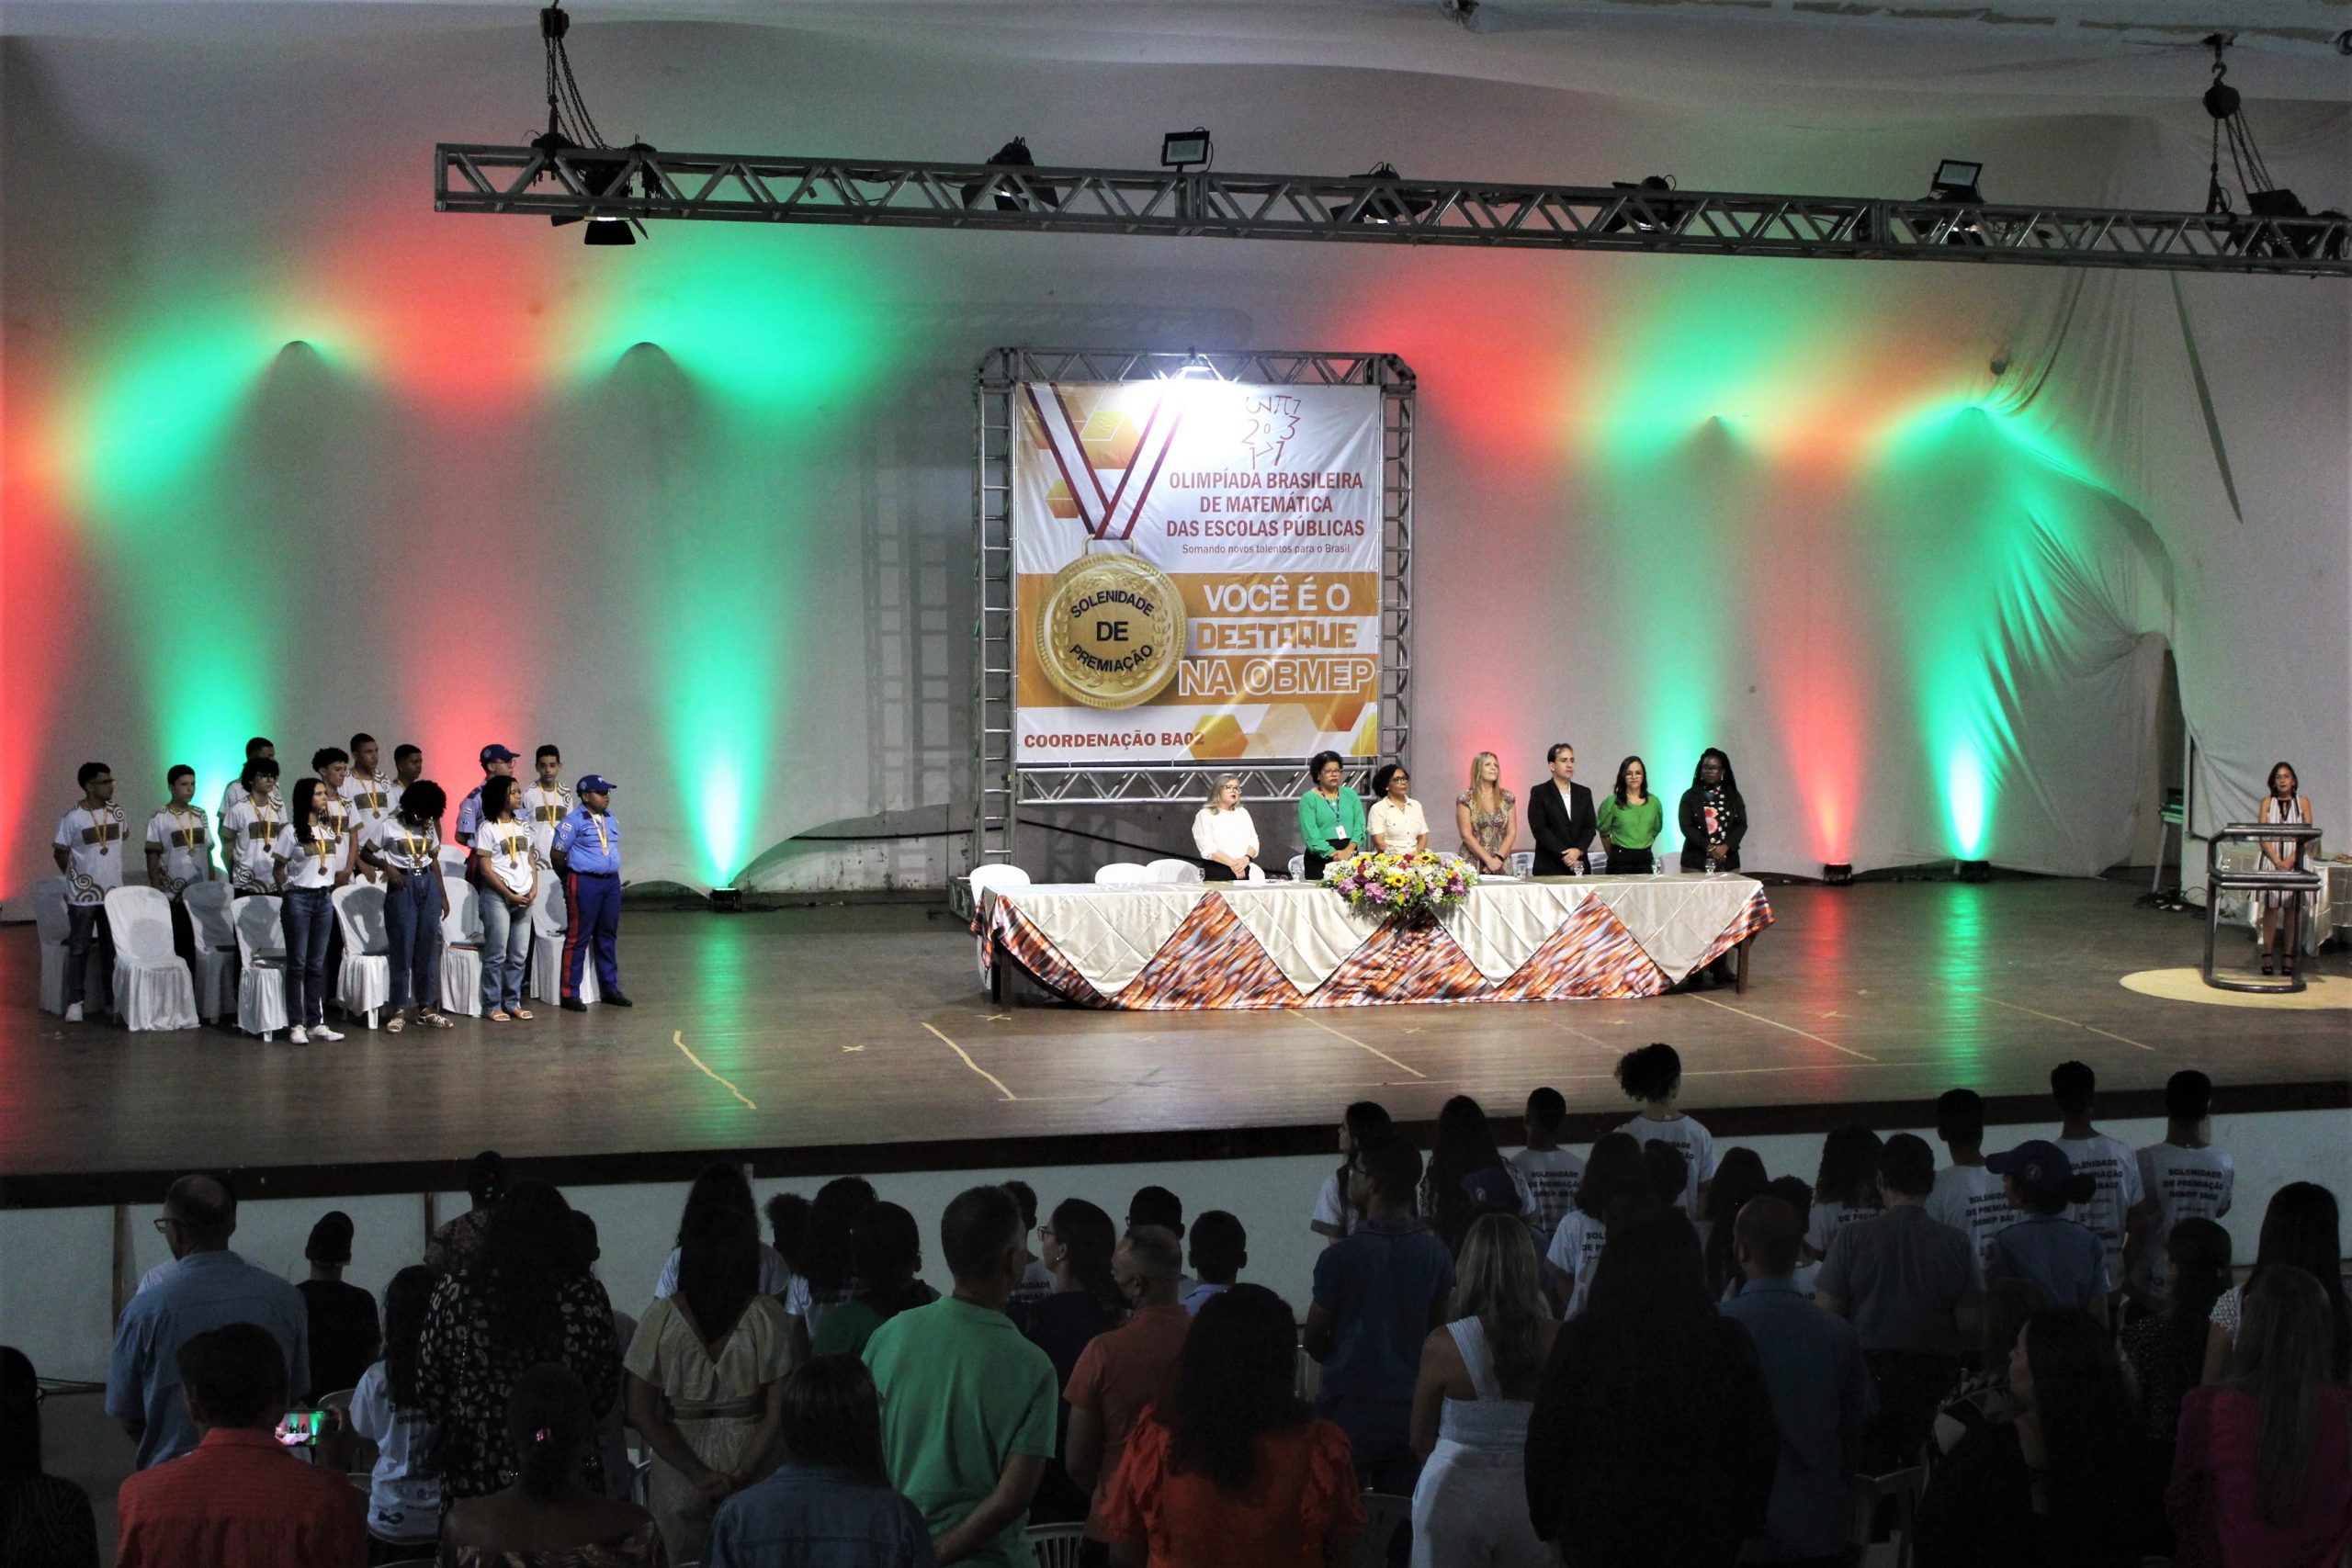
505,951
413,921
88,938
307,915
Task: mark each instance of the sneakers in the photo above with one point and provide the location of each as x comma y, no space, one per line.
614,998
73,1013
298,1035
573,1004
320,1031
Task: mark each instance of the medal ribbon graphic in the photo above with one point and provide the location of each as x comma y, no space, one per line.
1113,515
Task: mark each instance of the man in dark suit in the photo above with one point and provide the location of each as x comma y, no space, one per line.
1559,813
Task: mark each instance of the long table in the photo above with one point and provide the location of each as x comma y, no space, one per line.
1170,947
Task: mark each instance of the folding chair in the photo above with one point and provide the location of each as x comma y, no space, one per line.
152,983
215,948
261,978
363,984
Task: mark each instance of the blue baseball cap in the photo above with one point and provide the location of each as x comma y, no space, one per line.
497,754
593,783
2039,1165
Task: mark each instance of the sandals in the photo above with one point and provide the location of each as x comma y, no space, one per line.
500,1016
433,1020
395,1024
519,1013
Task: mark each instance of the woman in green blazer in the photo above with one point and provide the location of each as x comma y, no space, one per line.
1330,815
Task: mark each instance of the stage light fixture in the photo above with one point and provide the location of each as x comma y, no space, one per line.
1976,871
1387,205
1009,196
1185,148
1955,181
1661,214
1837,874
726,900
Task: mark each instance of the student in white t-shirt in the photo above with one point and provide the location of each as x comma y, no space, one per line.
1967,1196
1552,1173
238,788
2114,1212
545,803
1335,1218
179,852
1616,1182
1845,1186
249,828
404,1491
1653,1075
88,847
366,796
507,880
312,856
404,848
2183,1177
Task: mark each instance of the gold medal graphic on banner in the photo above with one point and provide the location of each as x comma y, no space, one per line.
1110,630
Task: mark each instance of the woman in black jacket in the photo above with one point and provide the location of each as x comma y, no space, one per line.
1652,1443
1714,819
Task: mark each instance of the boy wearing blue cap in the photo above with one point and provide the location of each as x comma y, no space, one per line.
587,856
2063,1257
497,762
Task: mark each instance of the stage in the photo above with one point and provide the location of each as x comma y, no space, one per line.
857,1037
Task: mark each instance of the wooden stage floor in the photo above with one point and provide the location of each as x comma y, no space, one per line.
810,1041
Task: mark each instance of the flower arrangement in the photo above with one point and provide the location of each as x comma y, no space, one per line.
1409,887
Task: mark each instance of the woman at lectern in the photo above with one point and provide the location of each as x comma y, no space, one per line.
2282,802
1712,817
1486,815
1224,834
1630,819
1395,822
1330,817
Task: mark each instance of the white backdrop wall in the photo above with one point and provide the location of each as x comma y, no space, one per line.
287,453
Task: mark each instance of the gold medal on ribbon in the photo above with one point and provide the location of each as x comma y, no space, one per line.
1110,630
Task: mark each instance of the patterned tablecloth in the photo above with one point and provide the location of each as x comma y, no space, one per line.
1179,946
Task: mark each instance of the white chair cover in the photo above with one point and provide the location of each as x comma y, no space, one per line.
452,861
260,978
49,920
1121,873
550,921
215,948
153,984
363,984
1172,871
460,949
996,874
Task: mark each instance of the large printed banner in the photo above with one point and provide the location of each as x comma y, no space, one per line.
1196,571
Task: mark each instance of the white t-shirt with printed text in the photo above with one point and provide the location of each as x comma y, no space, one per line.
1830,1216
94,842
1553,1177
2112,1164
2180,1183
1972,1199
185,840
250,828
508,845
1698,1147
409,848
1576,1247
313,857
371,800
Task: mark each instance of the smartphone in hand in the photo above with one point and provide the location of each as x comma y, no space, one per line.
300,1428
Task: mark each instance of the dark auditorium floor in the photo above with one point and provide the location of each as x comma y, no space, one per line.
856,1037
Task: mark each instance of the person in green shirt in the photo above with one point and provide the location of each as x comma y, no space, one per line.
1630,821
968,1405
886,1254
1330,815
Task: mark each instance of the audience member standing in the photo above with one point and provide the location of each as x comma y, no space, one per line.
829,1273
1377,1295
1910,1285
1615,1184
179,853
1157,1206
830,1505
88,848
2164,1352
2263,1477
344,1334
1983,1398
2184,1176
1333,1215
587,856
886,1250
208,1287
45,1520
552,1515
239,1500
1036,1279
527,1299
1845,1186
2062,1258
967,1405
1120,1373
2050,1487
2113,1211
2301,1229
1739,1180
1076,1240
1550,1172
1653,1075
1651,1401
455,1244
1468,1175
1814,1368
706,1365
1968,1196
1220,1250
1471,1401
1233,1468
404,1491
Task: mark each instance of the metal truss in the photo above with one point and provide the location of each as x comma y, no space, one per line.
642,183
1002,784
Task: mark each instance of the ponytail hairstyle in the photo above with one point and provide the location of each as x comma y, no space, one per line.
1091,1238
549,1425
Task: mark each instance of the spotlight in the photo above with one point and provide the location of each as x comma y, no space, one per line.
1976,871
1388,205
1010,196
1185,148
609,231
1955,181
1661,212
1837,874
726,900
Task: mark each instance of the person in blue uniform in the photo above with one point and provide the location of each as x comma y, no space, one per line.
587,856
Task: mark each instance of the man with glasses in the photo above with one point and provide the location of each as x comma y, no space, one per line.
207,1287
88,847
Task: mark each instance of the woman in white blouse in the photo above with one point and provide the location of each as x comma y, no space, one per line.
1395,821
1224,834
